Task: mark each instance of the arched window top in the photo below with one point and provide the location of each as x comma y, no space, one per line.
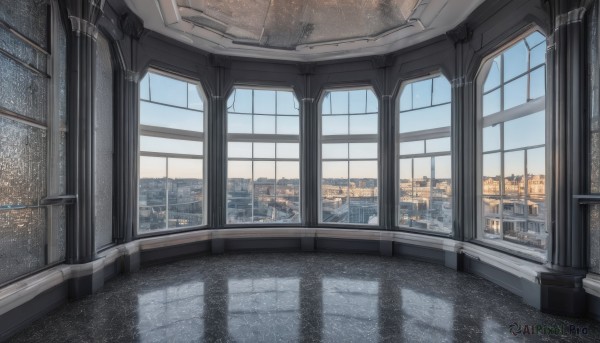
349,101
516,75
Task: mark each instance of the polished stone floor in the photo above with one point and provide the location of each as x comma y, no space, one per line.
310,297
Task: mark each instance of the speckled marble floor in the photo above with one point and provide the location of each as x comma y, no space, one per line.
306,297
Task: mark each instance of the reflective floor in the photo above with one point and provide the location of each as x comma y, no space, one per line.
310,297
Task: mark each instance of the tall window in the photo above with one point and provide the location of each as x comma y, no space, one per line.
349,157
263,151
512,191
425,163
171,179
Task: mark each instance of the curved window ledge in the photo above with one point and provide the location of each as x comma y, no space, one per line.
20,292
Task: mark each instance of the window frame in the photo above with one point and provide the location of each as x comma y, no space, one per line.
362,138
530,107
170,133
443,132
264,138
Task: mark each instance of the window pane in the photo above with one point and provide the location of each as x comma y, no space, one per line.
363,124
239,150
339,102
335,151
194,99
514,173
493,77
334,192
538,55
535,38
422,93
170,117
264,102
145,88
326,105
372,102
438,145
152,193
363,150
239,192
491,103
491,138
441,90
287,104
525,131
441,197
491,174
536,171
239,123
186,192
335,125
288,150
425,118
537,85
240,101
264,150
288,125
515,93
491,223
264,124
287,202
406,98
264,191
167,90
364,203
515,60
170,146
358,101
411,148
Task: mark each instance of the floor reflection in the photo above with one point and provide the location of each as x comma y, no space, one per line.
297,297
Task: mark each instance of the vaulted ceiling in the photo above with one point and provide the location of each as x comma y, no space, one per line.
302,30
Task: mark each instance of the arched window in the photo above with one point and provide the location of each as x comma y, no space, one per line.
512,139
263,154
425,162
171,168
349,157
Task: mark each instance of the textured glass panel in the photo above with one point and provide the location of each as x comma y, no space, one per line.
515,93
186,192
334,192
23,51
339,102
363,150
152,193
410,148
264,150
104,143
287,103
422,93
264,102
154,114
364,204
23,162
239,192
491,173
363,124
61,82
288,125
425,118
493,78
515,60
264,124
491,103
239,123
22,242
29,17
335,125
288,150
406,98
438,145
168,90
172,146
358,101
595,163
334,151
287,201
240,101
239,150
525,131
491,138
537,83
442,92
594,246
22,91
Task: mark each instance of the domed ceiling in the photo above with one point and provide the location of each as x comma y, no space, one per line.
302,30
